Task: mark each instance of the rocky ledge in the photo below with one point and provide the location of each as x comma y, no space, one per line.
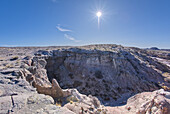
87,79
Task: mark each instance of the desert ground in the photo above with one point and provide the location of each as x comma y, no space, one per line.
92,79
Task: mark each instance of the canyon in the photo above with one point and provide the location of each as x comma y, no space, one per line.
103,78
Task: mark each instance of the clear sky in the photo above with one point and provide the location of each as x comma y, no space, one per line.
140,23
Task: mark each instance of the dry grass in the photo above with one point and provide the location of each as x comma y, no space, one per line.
58,104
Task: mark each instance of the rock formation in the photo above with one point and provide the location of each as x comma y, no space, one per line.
87,79
157,102
108,75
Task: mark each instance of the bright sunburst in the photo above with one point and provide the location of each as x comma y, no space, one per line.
99,14
99,11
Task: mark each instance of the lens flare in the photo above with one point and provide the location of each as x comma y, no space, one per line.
99,14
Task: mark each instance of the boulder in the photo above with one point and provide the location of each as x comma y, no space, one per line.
157,102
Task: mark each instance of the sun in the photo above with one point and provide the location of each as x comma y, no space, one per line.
99,14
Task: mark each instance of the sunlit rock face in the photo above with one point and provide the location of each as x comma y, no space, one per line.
156,102
112,76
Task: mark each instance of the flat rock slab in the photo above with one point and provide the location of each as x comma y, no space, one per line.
30,104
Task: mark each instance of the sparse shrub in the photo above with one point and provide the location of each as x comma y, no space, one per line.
165,88
17,62
99,110
58,104
9,66
72,99
14,58
71,102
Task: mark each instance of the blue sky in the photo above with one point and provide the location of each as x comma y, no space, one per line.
140,23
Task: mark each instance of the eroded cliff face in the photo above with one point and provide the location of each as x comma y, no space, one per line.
112,76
